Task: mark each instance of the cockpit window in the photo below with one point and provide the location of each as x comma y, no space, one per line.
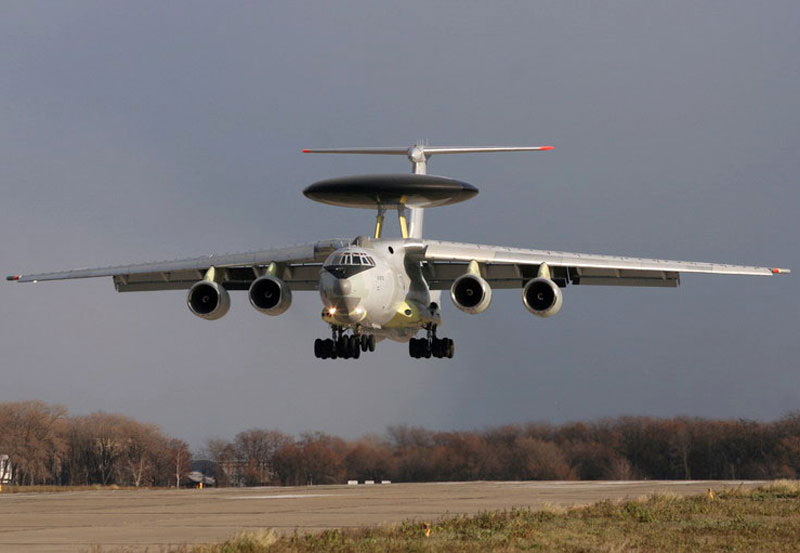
352,258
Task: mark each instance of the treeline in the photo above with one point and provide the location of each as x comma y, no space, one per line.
46,446
623,448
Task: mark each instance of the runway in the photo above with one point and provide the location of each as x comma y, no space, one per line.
76,521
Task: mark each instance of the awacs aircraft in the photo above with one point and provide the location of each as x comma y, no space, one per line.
374,288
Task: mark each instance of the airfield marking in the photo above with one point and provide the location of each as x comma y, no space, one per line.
284,496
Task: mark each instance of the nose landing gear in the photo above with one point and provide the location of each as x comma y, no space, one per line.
343,345
431,346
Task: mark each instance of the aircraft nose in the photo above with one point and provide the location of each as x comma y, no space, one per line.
345,310
347,304
342,287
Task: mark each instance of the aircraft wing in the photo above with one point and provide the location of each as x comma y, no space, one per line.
502,267
298,265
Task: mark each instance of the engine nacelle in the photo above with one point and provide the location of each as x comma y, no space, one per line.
270,295
542,297
471,294
208,300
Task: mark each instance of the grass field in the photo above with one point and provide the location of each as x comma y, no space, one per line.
7,488
764,519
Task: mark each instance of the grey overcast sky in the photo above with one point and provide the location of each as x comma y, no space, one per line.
138,131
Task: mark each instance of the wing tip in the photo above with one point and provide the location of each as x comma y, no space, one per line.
545,148
306,151
13,278
779,271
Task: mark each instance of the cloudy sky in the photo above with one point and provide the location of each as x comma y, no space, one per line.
137,131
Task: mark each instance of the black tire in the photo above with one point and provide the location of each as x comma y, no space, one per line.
355,347
451,348
426,348
318,348
437,347
372,342
364,342
330,349
412,348
342,347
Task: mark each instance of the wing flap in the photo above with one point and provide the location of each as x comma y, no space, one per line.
299,277
441,275
624,277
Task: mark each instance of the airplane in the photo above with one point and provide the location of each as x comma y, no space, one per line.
375,288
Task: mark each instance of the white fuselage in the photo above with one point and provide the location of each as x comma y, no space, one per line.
376,290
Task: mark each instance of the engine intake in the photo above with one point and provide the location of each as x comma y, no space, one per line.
208,300
270,295
542,297
471,294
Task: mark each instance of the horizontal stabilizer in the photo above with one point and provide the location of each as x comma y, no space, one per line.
427,151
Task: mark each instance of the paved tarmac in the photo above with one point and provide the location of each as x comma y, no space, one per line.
139,519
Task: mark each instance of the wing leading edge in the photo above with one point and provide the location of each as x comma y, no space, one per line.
512,267
299,265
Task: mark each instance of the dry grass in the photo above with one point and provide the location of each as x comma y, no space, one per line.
731,519
54,489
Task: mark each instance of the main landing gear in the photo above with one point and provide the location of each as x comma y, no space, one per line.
431,346
343,346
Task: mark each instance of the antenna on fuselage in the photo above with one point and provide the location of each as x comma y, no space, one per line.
418,155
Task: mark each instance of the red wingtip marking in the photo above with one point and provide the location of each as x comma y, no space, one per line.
15,277
776,271
306,151
548,148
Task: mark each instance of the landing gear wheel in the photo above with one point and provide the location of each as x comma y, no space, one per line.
451,348
371,342
355,347
364,342
412,348
319,352
342,347
437,347
426,348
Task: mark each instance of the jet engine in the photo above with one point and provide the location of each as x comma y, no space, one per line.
542,297
270,295
471,294
208,300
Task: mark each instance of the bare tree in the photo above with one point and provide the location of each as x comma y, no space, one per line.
223,453
256,448
181,458
31,435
